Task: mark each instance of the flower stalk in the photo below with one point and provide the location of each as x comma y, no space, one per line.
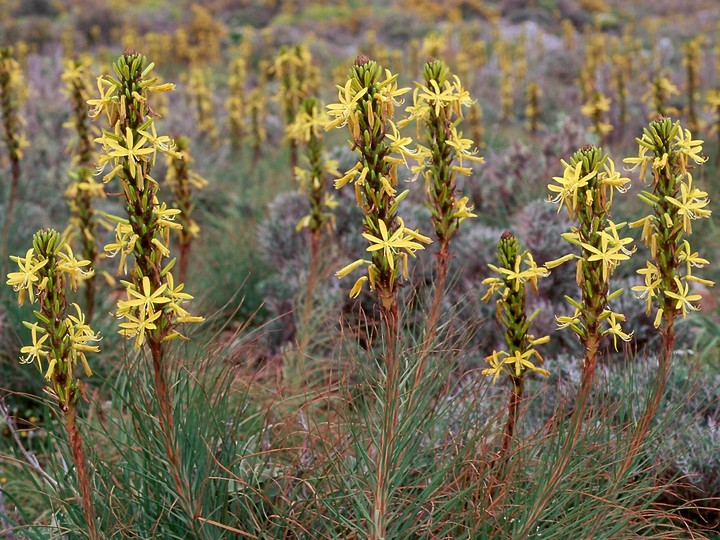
153,307
60,339
516,269
182,180
437,111
366,106
297,78
11,94
586,190
83,187
307,129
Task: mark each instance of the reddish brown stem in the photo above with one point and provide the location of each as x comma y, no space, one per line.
516,393
90,287
664,363
590,362
78,454
293,160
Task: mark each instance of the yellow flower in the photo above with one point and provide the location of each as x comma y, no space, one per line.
145,301
391,243
684,299
132,150
496,365
569,184
691,205
346,110
615,329
357,288
106,99
36,350
24,279
522,362
137,326
350,268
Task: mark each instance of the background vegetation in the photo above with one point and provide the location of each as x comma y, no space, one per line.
277,397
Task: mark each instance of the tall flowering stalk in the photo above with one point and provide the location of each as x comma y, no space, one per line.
235,104
60,336
670,152
507,93
516,269
586,190
83,187
437,111
532,108
11,94
308,129
620,79
181,180
200,94
153,308
691,61
658,96
596,109
366,106
297,78
257,102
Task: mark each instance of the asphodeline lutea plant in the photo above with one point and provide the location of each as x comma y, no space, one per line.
61,337
200,95
183,181
669,152
235,103
586,190
620,78
257,109
308,128
532,108
597,109
516,269
444,154
12,93
658,96
297,78
154,305
507,90
366,106
83,187
691,61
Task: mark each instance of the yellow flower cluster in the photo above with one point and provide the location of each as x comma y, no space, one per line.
366,106
670,152
517,269
308,128
59,339
595,109
586,191
12,92
154,304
